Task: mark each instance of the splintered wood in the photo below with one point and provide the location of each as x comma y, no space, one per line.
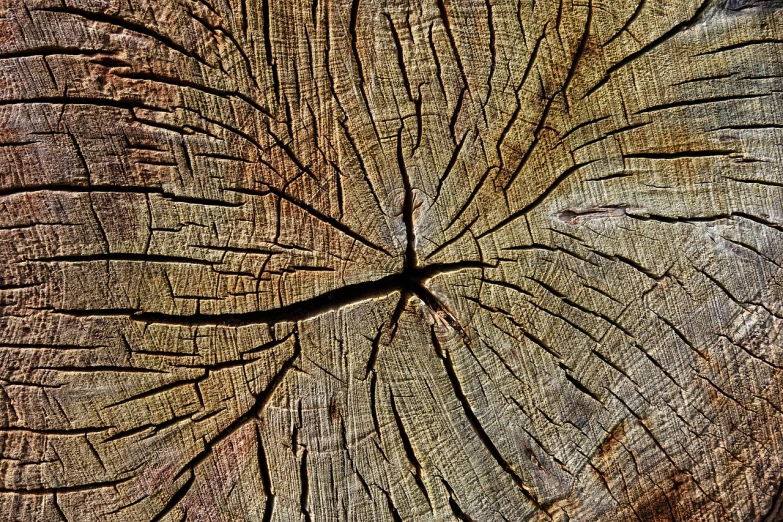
479,260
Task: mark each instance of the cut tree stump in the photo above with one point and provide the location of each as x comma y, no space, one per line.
384,260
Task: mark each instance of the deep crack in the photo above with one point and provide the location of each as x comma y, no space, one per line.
411,281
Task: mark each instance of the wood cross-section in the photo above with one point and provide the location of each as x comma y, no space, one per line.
478,260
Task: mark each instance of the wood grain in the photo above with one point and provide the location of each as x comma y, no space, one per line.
391,260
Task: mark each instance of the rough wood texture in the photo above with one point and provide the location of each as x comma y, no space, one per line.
450,259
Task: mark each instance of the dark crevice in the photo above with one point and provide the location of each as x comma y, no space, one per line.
409,452
254,412
96,368
679,155
703,79
457,237
39,346
127,25
472,195
436,61
57,507
138,258
506,284
456,510
153,392
543,196
682,26
53,432
405,295
54,50
700,101
450,166
282,195
444,17
410,282
540,126
483,436
373,406
87,100
775,511
578,384
346,448
611,364
376,345
418,102
126,189
580,51
154,429
681,336
289,152
639,8
266,477
297,425
174,81
492,47
270,61
305,482
407,208
456,113
176,498
400,59
395,514
352,29
740,45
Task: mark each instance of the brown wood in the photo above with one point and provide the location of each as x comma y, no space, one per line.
452,259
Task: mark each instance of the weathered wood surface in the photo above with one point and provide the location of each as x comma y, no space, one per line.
450,259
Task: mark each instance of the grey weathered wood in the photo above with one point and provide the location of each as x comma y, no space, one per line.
502,260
